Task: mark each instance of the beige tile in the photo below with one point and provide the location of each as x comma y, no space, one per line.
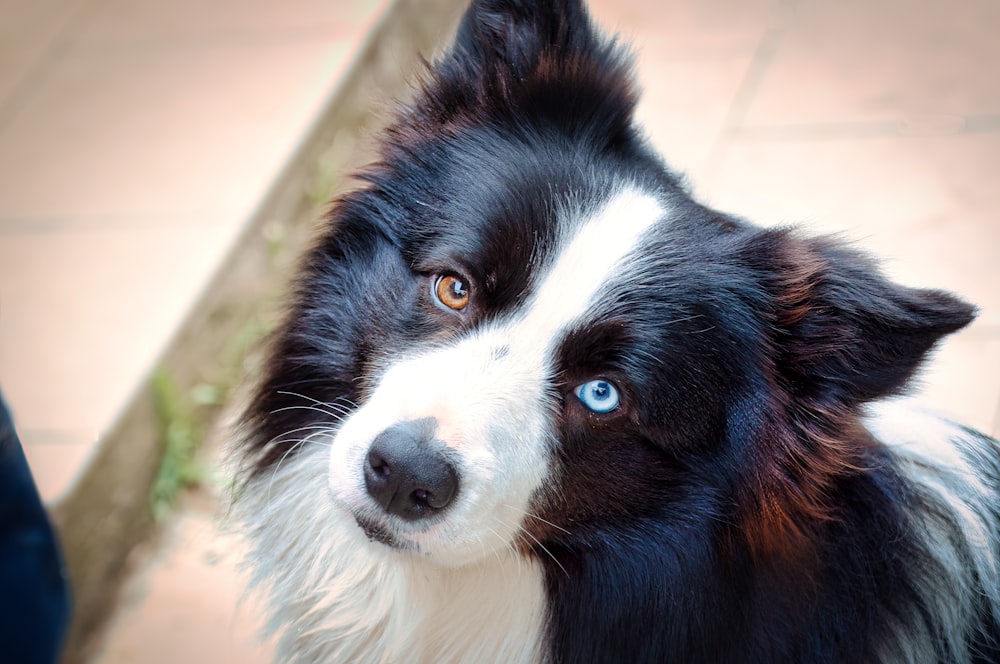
685,126
83,317
187,604
927,64
691,29
29,32
56,457
161,133
146,23
924,205
963,380
691,61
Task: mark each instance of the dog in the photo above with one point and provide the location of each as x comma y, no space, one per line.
531,402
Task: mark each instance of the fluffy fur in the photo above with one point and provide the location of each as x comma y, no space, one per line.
532,402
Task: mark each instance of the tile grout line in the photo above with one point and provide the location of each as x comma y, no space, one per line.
236,39
891,128
761,61
56,51
51,224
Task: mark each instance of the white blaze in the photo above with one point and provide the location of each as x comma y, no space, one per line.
588,262
492,408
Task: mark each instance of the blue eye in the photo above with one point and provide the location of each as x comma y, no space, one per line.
598,396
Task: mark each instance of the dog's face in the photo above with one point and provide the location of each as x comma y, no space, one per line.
523,330
503,369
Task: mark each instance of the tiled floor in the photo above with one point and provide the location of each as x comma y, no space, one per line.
187,603
135,136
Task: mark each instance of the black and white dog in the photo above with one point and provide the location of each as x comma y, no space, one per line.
533,403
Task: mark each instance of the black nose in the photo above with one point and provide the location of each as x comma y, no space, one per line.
406,475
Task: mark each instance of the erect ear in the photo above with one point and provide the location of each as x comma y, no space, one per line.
532,60
518,33
845,334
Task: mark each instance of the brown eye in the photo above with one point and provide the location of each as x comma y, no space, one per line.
451,292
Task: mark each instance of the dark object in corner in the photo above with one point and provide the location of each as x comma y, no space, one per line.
34,593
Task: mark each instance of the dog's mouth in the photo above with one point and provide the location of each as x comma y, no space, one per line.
379,532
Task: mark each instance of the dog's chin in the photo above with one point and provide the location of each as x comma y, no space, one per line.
432,551
380,533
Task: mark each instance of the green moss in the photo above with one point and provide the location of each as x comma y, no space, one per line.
185,413
181,436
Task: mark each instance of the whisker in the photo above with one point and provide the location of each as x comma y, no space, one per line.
496,554
343,410
349,402
512,547
278,439
536,517
522,531
547,552
339,417
301,443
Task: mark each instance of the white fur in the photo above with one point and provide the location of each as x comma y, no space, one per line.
592,258
337,597
940,458
491,408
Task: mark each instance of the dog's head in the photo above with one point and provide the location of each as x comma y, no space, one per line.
523,330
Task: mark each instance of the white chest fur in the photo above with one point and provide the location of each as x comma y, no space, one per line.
335,596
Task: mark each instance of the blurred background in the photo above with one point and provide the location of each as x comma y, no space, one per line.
163,163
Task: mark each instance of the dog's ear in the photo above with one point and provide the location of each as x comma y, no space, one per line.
518,34
531,60
843,334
